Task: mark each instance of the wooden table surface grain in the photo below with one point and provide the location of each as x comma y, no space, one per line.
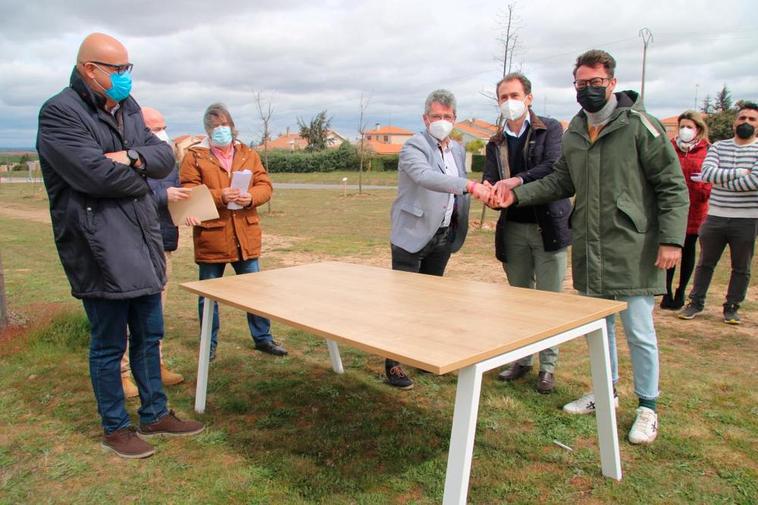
439,324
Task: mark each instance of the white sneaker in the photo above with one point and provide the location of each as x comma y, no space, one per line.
585,405
645,427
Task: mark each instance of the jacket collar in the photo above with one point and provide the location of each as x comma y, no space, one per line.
626,101
96,101
535,121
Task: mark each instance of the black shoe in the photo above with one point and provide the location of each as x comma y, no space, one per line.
396,376
730,313
679,299
213,354
271,347
515,371
545,382
667,302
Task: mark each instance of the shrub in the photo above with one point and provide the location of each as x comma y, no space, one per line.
477,163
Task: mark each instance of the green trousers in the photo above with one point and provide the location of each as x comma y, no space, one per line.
530,266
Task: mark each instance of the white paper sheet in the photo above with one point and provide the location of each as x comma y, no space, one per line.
241,181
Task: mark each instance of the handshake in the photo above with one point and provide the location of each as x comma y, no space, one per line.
498,196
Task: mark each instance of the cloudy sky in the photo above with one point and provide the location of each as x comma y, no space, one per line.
306,56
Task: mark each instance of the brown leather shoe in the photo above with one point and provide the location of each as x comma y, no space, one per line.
171,426
127,444
130,390
545,382
515,371
168,377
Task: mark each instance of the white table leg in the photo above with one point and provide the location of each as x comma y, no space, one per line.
462,436
204,357
334,356
602,387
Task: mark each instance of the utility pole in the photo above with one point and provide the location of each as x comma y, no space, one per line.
647,38
694,106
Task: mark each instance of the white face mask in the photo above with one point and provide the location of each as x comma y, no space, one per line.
512,109
161,134
440,129
686,134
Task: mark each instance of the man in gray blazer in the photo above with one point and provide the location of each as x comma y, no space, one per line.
430,213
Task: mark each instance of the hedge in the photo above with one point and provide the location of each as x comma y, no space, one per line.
344,158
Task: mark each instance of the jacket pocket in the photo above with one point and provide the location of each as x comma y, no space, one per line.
413,210
213,223
633,213
252,219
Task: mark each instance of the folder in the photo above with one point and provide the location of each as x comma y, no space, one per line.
200,204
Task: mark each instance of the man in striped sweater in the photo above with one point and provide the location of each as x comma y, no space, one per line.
732,167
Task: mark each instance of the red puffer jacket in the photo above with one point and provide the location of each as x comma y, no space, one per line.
700,192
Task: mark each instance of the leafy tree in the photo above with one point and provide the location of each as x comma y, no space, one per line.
707,106
315,133
723,100
720,124
475,146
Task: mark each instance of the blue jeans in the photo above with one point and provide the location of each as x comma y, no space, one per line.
260,327
637,320
109,320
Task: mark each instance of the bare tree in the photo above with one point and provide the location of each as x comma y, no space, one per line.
362,130
265,112
3,299
508,40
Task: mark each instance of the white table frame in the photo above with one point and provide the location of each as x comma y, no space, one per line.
467,398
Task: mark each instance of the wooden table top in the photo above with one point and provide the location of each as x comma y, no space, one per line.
439,324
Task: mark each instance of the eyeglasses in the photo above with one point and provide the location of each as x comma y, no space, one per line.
594,82
119,69
446,117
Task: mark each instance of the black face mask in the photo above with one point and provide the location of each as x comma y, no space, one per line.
592,98
745,131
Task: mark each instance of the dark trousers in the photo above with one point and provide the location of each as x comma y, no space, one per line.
109,320
715,234
686,268
431,260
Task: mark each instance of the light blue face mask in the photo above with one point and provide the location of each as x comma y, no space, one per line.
121,85
221,136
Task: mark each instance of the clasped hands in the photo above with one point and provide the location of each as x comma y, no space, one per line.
495,197
236,196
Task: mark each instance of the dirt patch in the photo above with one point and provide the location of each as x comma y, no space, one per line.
25,213
14,337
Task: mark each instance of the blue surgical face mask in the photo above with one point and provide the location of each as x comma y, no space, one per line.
221,136
121,85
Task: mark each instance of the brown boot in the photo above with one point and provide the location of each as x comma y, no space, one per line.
168,377
130,390
127,444
171,426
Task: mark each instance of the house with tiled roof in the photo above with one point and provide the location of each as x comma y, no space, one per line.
386,140
294,142
472,129
671,124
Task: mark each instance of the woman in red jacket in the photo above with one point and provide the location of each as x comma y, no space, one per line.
691,145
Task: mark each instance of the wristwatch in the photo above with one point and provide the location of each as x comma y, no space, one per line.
133,157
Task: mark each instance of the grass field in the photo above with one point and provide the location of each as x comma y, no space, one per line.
289,431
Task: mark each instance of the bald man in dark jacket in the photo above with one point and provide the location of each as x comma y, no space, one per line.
96,154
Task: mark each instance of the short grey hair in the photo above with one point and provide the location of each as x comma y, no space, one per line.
442,97
218,111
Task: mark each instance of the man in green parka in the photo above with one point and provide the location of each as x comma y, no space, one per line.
628,222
